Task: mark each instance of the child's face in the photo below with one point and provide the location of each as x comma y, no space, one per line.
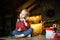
23,15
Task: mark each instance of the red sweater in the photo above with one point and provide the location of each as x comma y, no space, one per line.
20,24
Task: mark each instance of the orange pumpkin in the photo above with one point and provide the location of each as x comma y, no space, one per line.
35,19
37,28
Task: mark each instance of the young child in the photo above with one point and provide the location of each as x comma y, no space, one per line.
51,32
22,26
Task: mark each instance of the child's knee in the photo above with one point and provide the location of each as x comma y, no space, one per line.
31,29
14,32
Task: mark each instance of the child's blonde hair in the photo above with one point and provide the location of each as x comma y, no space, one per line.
24,11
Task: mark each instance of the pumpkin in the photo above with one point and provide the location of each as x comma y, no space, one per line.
35,19
37,28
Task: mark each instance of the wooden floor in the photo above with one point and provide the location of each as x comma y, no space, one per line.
41,37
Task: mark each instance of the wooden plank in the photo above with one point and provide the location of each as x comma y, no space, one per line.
42,37
25,5
29,9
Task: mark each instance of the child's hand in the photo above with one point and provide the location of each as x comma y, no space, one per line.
25,22
19,29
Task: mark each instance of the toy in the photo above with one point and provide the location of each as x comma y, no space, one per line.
50,32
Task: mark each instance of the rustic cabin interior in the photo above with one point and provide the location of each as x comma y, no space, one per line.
42,13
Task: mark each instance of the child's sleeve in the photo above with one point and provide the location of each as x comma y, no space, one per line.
29,24
17,25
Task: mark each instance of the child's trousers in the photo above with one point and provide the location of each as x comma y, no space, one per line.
26,33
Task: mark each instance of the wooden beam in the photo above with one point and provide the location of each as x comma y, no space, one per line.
34,5
25,5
